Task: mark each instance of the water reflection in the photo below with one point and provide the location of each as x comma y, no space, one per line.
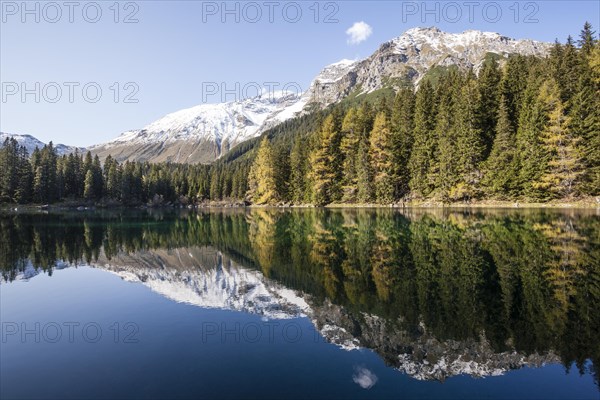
434,293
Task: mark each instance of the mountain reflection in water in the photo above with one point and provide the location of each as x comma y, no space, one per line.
434,293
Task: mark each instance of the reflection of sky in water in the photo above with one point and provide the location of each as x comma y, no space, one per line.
364,377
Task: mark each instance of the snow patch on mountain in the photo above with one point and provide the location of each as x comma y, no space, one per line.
31,143
224,124
227,286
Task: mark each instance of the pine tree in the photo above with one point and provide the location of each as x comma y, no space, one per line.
262,178
424,143
381,157
530,155
586,39
9,155
513,84
98,181
45,176
364,174
443,172
488,87
89,189
24,188
585,121
298,165
282,172
113,181
325,162
402,139
564,166
351,132
500,168
470,144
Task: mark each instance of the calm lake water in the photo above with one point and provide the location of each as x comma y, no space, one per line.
301,303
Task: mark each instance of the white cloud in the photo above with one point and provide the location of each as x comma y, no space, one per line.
364,378
359,32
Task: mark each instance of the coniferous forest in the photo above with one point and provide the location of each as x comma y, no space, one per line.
518,129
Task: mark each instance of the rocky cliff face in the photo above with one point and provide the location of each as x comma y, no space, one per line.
415,351
406,59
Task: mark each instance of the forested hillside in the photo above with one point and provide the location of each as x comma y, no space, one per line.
527,130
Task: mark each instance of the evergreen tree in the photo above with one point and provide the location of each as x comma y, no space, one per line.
530,155
89,189
585,121
443,172
424,143
262,178
587,39
513,84
500,168
470,144
24,188
282,172
402,140
298,166
381,157
45,176
325,162
564,166
351,132
9,155
488,88
364,174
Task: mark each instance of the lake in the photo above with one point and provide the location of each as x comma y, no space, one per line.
262,303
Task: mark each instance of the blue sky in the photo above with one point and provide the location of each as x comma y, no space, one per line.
177,48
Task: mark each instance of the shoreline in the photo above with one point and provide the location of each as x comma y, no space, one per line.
586,203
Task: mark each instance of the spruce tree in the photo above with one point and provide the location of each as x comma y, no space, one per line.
351,132
298,166
586,39
364,174
500,168
381,157
24,187
470,144
488,87
443,172
89,189
424,143
530,155
402,139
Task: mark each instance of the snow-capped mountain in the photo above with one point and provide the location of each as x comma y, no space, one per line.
31,143
206,132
